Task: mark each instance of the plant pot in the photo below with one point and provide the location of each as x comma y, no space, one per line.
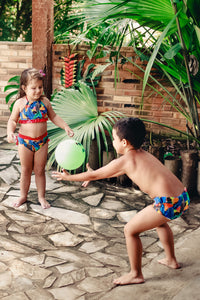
93,155
174,165
189,170
198,178
158,152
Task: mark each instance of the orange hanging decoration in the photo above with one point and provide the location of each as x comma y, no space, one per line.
69,70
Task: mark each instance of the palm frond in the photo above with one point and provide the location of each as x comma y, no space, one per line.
78,108
14,86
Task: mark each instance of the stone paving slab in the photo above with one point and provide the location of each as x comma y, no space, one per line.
75,249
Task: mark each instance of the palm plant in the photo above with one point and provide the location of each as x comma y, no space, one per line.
13,84
78,108
173,30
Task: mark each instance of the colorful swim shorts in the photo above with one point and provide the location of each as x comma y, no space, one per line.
33,144
172,207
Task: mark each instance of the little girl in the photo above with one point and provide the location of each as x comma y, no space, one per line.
32,110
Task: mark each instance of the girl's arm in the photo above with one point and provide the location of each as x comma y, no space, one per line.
12,123
113,169
58,121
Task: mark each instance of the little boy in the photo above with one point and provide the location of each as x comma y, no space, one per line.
153,178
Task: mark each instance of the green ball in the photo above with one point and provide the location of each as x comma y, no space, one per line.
70,154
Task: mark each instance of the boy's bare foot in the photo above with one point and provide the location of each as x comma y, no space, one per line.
19,202
129,279
44,203
171,264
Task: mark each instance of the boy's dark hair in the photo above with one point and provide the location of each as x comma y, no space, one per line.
131,129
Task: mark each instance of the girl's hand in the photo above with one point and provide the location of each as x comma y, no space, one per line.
60,175
11,138
89,169
69,131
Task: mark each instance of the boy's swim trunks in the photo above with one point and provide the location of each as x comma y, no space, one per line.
172,207
33,144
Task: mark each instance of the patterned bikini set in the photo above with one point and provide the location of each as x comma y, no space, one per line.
172,207
34,112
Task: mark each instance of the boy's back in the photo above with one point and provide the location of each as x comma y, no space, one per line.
151,176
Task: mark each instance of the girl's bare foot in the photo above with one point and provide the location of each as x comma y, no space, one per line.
129,279
171,264
44,203
19,202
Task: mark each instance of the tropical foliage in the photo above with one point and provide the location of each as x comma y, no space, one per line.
15,20
169,33
78,108
13,85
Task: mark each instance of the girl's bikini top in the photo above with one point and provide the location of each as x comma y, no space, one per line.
34,112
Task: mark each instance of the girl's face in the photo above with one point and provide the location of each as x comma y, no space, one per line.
117,143
34,89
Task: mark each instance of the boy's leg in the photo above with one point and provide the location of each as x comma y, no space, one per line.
40,159
26,160
166,237
146,219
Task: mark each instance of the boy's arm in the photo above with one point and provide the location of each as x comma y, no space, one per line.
12,123
113,169
58,121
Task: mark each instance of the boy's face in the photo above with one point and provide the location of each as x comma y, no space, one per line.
117,143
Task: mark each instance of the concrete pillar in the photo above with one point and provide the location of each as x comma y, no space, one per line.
42,39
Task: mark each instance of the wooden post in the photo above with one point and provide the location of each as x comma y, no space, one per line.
42,39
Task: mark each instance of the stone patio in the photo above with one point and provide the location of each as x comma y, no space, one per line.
76,248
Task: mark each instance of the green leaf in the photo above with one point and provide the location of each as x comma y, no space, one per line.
10,86
15,79
197,29
9,96
100,69
11,106
173,51
154,54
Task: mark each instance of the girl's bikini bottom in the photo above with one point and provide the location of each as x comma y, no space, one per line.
33,144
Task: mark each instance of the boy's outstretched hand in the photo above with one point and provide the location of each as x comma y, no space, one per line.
89,169
64,175
60,175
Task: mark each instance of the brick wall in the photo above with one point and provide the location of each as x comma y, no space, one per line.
14,58
124,97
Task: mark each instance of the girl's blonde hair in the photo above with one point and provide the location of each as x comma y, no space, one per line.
26,76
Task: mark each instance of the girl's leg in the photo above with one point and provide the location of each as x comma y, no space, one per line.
146,219
166,237
26,160
40,159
